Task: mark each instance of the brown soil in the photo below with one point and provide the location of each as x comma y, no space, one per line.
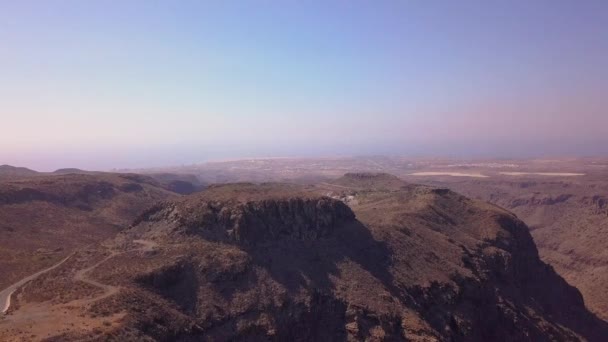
45,218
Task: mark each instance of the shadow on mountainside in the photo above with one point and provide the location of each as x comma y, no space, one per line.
310,264
536,291
526,284
307,267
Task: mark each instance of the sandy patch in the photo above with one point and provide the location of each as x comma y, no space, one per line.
565,174
453,174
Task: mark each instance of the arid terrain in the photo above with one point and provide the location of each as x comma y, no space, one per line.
568,219
318,256
45,217
303,171
563,200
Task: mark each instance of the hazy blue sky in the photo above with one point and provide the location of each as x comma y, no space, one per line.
101,84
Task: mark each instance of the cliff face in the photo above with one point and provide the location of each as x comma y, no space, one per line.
255,222
568,219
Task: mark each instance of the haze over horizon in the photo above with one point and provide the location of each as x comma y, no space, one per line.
101,85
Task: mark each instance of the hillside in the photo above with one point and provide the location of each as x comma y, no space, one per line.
287,262
184,184
44,218
13,172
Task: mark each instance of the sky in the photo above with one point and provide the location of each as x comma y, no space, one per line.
118,84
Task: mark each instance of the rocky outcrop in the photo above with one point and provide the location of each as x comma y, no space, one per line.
598,204
177,282
568,219
255,222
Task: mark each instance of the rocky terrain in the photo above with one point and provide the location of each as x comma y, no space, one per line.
568,219
366,257
562,200
43,218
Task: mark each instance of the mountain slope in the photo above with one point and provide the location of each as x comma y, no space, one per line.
13,172
44,218
568,218
286,262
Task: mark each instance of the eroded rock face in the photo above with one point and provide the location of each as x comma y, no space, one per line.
302,219
177,282
255,222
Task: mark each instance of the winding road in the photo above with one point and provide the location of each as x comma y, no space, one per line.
81,275
5,295
108,290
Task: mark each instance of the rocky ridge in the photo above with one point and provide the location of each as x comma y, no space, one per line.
256,221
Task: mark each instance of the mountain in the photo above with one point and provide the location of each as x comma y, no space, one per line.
45,218
350,260
568,218
563,200
14,172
